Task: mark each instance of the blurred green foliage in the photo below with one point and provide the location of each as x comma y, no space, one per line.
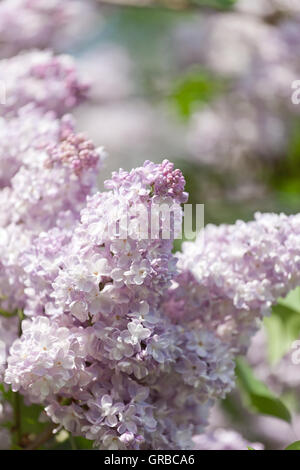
294,446
283,326
193,89
284,174
27,426
252,396
25,418
216,3
257,395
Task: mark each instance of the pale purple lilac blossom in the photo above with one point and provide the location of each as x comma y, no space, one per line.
232,274
53,170
104,294
51,82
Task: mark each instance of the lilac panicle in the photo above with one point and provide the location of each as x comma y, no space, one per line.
133,364
232,274
45,188
125,343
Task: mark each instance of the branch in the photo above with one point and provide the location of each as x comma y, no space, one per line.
42,438
17,418
72,442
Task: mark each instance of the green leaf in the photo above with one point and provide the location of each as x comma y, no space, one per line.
257,395
83,444
215,3
292,300
16,447
250,448
285,173
80,443
4,313
8,394
294,446
29,416
30,419
196,88
283,326
277,341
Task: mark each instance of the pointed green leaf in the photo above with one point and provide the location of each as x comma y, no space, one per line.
294,446
292,300
283,326
260,399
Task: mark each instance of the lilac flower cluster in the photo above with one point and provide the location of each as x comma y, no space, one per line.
99,352
96,349
47,171
231,275
39,77
120,347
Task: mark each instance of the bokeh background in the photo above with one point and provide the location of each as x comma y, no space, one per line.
208,85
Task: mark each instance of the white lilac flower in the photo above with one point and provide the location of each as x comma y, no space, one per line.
47,359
